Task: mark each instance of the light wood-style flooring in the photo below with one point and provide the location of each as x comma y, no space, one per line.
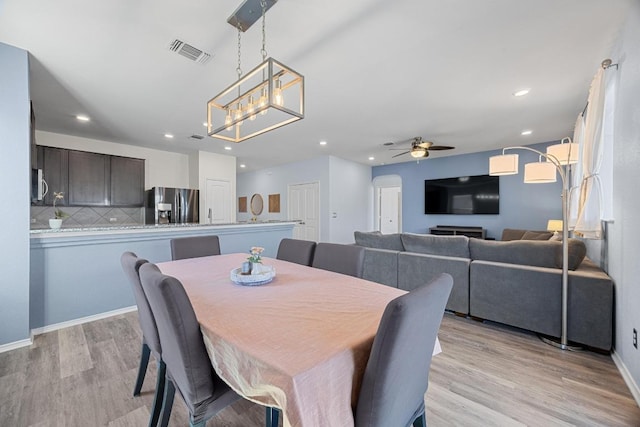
487,375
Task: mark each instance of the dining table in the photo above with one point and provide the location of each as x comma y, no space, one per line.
299,343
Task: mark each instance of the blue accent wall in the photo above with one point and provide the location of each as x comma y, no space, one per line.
527,206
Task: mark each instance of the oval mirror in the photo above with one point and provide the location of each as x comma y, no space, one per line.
256,204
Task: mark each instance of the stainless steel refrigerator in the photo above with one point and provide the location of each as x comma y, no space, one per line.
166,205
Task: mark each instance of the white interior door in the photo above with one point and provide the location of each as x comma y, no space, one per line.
304,206
389,204
218,202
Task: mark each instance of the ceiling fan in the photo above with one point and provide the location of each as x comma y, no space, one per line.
419,148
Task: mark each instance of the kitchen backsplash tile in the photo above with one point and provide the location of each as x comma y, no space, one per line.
87,216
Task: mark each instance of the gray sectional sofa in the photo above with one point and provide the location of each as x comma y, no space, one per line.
514,282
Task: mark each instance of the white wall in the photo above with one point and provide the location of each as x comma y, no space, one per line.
217,167
345,188
162,168
624,238
276,180
15,176
351,199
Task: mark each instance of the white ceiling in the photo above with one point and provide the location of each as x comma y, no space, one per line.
375,70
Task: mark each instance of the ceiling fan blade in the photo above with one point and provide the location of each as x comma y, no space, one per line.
396,149
441,147
405,141
401,154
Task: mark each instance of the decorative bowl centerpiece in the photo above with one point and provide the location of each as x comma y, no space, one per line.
252,272
256,278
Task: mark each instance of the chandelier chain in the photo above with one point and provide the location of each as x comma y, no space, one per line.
239,70
263,51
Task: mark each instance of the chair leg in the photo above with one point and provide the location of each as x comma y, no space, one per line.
272,417
158,398
421,421
142,370
167,402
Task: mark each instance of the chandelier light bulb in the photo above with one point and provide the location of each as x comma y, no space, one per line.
228,119
239,114
251,107
263,101
278,98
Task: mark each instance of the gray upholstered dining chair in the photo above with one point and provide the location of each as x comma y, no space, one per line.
188,365
150,340
298,251
194,247
397,374
345,259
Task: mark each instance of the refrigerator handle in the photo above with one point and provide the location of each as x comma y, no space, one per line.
179,219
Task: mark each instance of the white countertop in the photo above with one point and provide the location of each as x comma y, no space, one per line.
151,227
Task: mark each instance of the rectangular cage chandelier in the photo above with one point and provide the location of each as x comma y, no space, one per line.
273,96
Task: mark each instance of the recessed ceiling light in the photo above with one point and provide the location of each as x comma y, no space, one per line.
521,92
83,118
372,158
168,135
526,132
204,124
323,142
243,165
227,148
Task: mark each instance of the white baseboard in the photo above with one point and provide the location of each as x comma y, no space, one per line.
14,345
626,375
81,320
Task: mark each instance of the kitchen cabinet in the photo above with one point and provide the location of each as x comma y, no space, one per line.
91,179
88,179
127,181
55,163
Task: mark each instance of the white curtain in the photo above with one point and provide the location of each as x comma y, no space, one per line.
588,223
576,174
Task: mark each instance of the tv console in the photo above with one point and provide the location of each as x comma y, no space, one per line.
452,230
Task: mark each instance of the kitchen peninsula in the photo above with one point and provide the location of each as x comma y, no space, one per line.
76,273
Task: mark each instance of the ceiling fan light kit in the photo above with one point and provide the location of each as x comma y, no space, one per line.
239,112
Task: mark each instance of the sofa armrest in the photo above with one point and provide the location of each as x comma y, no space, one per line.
381,266
417,269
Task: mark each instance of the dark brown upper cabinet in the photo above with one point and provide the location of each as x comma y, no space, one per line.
127,181
88,179
91,179
55,164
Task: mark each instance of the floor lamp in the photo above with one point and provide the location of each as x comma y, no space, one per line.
557,156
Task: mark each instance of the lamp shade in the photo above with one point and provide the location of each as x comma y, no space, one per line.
539,173
554,225
567,154
505,164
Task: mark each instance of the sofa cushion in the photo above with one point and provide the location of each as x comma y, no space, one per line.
512,234
536,235
456,246
518,234
523,252
577,252
528,252
375,239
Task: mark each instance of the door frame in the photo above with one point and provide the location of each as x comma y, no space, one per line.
385,181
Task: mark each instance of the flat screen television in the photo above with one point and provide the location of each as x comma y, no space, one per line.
464,195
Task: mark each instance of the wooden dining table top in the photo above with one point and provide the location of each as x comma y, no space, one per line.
299,343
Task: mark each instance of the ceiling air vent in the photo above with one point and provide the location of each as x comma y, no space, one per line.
189,52
194,136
